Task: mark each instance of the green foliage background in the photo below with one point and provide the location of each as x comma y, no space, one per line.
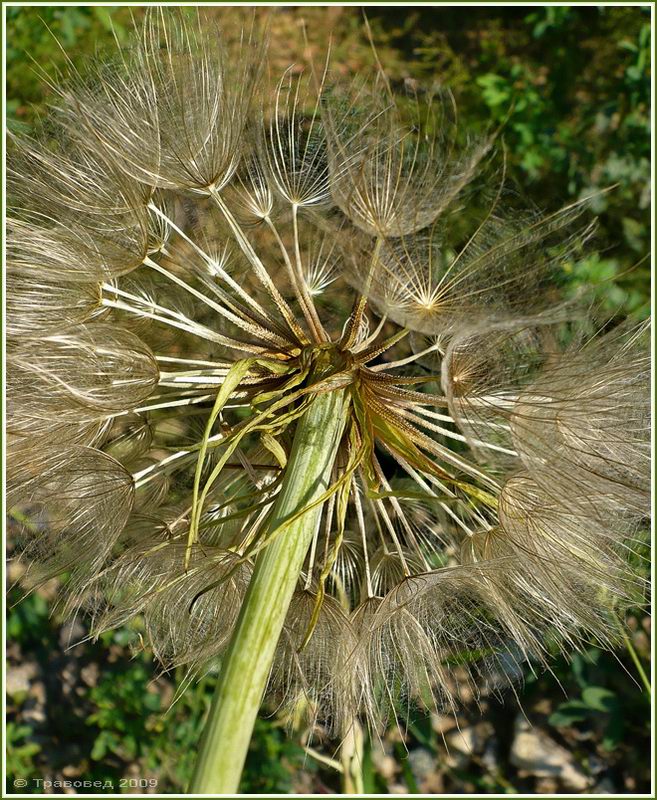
570,88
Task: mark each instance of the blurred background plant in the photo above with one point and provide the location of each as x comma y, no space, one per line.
570,87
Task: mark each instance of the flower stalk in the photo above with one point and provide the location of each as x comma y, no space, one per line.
248,660
351,758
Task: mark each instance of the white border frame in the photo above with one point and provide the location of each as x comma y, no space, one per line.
650,5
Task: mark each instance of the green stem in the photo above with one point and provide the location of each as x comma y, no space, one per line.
246,665
635,658
351,756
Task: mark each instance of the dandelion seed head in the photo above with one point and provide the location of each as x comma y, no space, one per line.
196,253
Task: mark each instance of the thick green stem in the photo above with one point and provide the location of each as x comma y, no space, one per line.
248,660
351,756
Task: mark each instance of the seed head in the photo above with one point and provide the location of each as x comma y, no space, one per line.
195,254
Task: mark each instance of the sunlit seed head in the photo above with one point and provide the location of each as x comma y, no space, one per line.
494,464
